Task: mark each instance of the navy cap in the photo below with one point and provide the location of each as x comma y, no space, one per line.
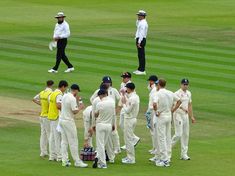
126,75
185,81
107,79
75,87
102,92
130,86
153,78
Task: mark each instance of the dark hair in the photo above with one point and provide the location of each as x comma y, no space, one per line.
75,87
162,82
63,83
103,86
102,92
50,83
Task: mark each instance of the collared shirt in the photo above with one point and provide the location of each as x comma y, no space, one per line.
185,98
68,105
112,93
61,30
152,94
142,29
131,108
165,100
106,110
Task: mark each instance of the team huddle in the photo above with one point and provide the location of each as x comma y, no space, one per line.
59,132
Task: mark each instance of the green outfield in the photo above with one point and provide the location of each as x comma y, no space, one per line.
186,38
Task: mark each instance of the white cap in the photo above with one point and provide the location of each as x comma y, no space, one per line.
141,13
60,14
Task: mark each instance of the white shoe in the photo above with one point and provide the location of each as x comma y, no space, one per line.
52,71
123,159
123,147
128,161
140,73
135,71
66,163
185,157
69,70
161,163
80,164
153,159
102,166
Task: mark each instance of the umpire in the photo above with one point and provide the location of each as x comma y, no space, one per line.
140,36
61,33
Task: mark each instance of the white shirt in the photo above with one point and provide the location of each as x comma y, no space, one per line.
61,30
112,93
68,105
152,94
87,114
142,29
131,108
185,98
123,86
94,103
106,110
165,100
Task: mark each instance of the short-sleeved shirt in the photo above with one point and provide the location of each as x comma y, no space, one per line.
185,98
68,105
165,100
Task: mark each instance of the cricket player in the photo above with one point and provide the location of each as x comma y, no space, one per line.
53,115
126,78
114,94
69,108
104,125
140,36
150,115
131,110
181,118
87,121
61,34
42,100
163,105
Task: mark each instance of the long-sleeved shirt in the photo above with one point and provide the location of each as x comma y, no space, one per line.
106,110
131,108
61,30
142,29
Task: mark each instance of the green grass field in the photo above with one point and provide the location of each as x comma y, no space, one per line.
187,38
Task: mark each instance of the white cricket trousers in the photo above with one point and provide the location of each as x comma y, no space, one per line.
87,126
103,138
181,123
115,139
44,136
54,141
121,124
163,126
69,138
129,128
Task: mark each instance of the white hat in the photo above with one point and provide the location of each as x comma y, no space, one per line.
141,13
60,14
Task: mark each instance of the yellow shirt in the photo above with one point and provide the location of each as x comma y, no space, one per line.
53,112
43,95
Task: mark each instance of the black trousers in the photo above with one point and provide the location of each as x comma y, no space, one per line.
141,54
61,45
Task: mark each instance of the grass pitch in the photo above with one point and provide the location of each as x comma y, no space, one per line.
193,39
